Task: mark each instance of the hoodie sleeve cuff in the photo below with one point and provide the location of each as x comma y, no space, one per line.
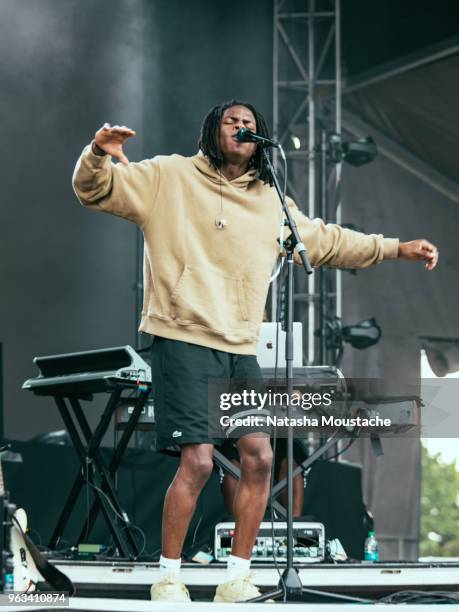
94,160
390,246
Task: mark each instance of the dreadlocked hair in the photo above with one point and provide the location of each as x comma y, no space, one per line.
209,138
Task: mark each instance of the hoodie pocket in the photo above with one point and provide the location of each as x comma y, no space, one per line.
206,297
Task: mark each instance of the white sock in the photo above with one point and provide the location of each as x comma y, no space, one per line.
169,566
236,566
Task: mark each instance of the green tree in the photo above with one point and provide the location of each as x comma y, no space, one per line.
439,507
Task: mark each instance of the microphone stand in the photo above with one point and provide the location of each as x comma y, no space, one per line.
290,587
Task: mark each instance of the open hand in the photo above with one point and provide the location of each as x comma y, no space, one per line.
422,250
111,140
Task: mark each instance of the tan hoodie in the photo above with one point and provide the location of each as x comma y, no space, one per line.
205,285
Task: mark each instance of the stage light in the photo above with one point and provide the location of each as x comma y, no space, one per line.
442,354
359,152
362,335
296,142
354,152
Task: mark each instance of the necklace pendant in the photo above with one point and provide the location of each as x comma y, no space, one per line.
220,222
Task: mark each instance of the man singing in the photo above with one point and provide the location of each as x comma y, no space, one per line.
210,224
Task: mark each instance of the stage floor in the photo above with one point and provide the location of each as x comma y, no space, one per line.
130,605
117,580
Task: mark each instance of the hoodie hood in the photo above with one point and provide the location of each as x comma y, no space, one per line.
203,165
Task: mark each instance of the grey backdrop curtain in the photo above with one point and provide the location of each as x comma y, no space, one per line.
408,302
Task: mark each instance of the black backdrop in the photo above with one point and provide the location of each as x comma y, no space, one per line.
41,481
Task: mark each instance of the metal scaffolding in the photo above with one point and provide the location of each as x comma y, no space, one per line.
307,102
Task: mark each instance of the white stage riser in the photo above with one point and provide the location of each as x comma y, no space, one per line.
381,575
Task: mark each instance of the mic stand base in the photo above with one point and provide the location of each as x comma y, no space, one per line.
292,582
290,589
297,594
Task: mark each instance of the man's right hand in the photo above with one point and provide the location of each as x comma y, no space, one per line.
111,139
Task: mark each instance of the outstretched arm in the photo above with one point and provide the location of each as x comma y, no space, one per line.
126,189
338,247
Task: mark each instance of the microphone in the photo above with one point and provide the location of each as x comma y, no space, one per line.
246,135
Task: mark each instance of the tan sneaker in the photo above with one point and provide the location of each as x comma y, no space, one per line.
239,589
170,588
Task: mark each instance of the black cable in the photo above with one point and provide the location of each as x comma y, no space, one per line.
142,533
345,448
284,192
96,488
40,541
122,518
134,494
421,597
155,552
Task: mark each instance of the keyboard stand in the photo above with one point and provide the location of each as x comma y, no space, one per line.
94,471
227,466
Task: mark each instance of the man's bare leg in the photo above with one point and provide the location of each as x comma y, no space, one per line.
180,501
252,492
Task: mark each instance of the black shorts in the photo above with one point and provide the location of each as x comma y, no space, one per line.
180,375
